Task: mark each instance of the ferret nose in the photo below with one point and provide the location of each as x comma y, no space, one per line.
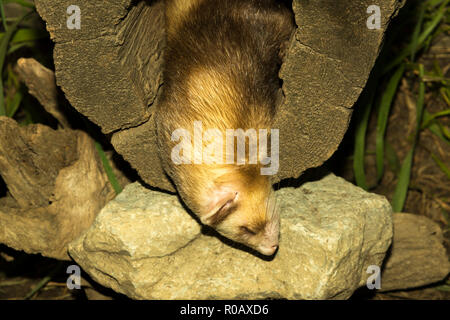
268,251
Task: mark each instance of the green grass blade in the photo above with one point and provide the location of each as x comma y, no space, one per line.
15,103
434,116
2,14
436,130
444,287
4,43
45,280
109,171
441,165
38,287
401,189
434,3
435,79
383,115
367,101
365,106
435,127
14,48
415,37
420,101
444,131
429,28
445,93
24,37
358,158
26,34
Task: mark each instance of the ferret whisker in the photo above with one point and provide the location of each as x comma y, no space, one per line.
266,208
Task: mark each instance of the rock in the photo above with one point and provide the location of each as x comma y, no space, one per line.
144,245
417,256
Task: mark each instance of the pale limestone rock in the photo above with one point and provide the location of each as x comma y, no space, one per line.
144,245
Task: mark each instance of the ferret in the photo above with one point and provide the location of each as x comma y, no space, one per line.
221,70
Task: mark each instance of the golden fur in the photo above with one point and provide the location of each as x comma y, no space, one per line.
222,61
176,12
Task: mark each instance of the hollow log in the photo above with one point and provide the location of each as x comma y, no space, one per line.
111,71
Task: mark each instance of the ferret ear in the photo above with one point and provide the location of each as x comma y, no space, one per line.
221,202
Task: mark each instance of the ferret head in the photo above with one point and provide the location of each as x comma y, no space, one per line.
240,205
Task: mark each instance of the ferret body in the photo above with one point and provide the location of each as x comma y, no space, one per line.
222,61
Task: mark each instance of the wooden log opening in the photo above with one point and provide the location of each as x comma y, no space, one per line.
111,71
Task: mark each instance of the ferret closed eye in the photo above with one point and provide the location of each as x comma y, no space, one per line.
221,70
